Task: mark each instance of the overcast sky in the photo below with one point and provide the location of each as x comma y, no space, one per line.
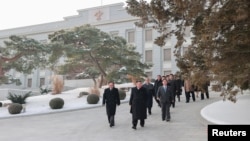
18,13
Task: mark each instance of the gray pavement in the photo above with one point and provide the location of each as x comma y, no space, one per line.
91,125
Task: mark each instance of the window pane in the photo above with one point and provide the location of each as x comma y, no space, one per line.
29,82
148,56
167,72
149,74
114,33
131,37
167,55
148,35
42,81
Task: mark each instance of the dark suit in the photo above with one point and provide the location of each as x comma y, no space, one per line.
150,92
157,84
165,99
205,90
172,84
111,98
138,102
179,85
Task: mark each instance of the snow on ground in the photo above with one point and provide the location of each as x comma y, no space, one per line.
220,112
40,104
227,112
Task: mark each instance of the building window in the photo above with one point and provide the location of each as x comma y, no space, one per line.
29,82
185,49
114,33
42,82
167,54
148,35
167,72
149,74
45,41
131,36
148,56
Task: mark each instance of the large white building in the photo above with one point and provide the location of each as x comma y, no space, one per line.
109,18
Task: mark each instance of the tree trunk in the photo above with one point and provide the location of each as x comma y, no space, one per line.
101,82
98,65
95,83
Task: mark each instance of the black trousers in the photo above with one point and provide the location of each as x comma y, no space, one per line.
165,110
157,101
187,94
202,95
192,95
111,119
135,121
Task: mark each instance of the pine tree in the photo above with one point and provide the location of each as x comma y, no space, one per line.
21,54
92,51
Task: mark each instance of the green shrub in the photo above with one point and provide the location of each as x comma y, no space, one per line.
56,103
122,94
93,99
45,90
21,99
15,108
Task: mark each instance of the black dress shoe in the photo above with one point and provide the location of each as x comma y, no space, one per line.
133,127
168,120
142,125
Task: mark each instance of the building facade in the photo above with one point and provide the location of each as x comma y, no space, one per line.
112,19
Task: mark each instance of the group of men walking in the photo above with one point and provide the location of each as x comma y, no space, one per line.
164,91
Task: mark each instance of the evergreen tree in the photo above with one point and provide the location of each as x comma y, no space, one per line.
89,50
220,47
21,54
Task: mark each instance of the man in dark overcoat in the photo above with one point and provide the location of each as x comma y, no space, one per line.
157,84
150,92
111,99
138,103
179,85
172,84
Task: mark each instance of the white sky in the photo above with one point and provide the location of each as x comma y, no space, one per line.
18,13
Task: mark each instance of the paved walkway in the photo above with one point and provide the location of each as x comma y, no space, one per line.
91,125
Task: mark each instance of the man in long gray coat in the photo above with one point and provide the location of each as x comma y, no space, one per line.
165,95
111,99
138,103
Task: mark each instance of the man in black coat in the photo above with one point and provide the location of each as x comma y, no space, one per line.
111,98
172,84
150,92
157,84
205,90
138,103
178,86
165,95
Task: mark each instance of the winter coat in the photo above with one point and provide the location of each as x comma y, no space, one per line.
150,92
138,102
111,99
157,84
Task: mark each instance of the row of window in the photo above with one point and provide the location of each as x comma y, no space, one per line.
148,36
166,55
42,82
150,74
